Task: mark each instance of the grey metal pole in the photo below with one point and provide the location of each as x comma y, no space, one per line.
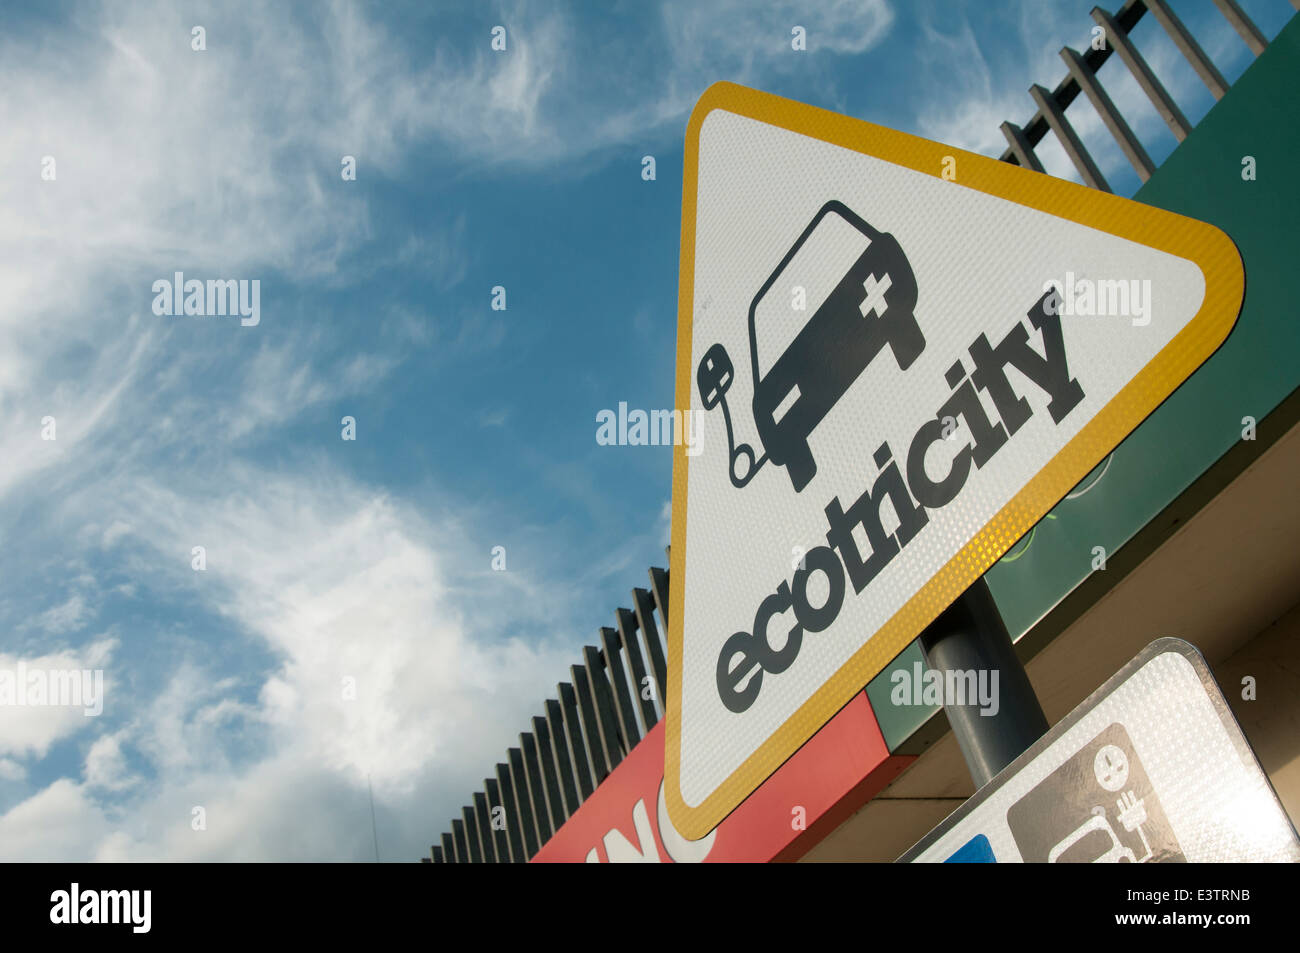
970,636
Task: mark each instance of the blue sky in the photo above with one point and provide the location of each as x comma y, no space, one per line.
371,559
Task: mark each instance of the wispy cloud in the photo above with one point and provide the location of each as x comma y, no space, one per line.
337,585
361,603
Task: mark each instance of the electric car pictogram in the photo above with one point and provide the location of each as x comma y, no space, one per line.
870,304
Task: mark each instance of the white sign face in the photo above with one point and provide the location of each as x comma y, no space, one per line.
1151,768
903,355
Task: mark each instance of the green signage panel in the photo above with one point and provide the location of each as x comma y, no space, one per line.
1235,171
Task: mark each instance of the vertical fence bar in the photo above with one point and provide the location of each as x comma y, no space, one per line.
577,744
550,778
506,853
537,789
627,626
602,696
659,586
487,843
514,820
1020,147
1146,80
1101,101
564,769
1055,118
532,836
610,644
448,849
591,727
1188,46
471,835
458,840
654,649
1243,24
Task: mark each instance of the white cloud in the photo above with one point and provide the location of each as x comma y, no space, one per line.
65,617
59,823
29,730
336,582
105,767
738,33
342,583
113,532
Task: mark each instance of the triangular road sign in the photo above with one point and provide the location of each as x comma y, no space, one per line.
903,356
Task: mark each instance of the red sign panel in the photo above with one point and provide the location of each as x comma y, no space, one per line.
837,771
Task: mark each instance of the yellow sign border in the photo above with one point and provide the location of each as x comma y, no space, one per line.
1204,245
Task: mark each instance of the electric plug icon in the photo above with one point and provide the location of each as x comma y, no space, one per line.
714,376
1132,811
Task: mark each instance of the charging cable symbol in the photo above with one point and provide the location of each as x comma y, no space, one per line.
870,304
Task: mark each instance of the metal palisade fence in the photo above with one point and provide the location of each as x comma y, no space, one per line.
613,698
1081,76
